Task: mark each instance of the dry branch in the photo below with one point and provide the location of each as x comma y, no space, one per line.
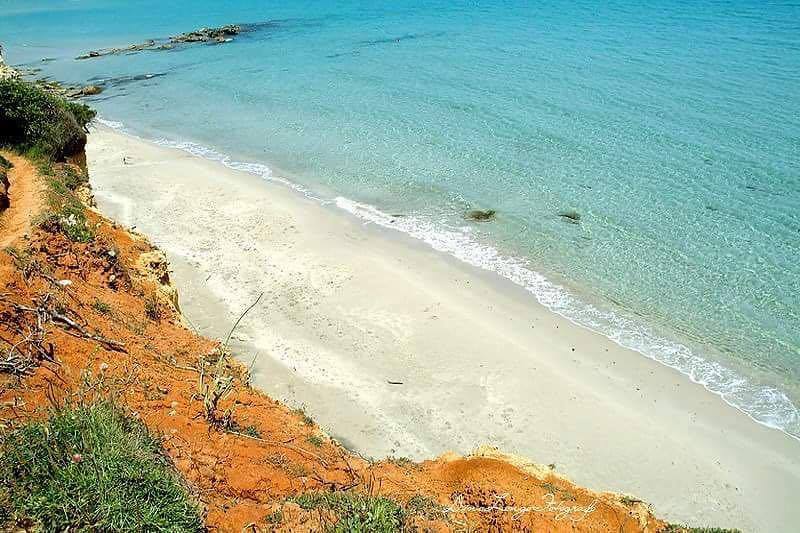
25,354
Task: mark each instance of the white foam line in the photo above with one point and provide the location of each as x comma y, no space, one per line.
767,405
763,404
203,152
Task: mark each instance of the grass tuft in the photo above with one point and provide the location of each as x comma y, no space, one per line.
678,528
65,213
301,412
92,468
274,518
73,178
356,512
101,307
315,440
426,507
402,462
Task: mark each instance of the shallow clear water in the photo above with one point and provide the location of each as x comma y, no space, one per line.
673,129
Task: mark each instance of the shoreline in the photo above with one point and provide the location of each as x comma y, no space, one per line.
745,391
332,332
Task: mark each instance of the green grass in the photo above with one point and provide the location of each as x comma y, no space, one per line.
677,528
101,307
403,462
423,506
307,420
66,213
250,431
356,513
72,178
34,119
274,518
68,216
95,469
315,440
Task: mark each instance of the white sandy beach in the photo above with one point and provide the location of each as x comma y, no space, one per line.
348,308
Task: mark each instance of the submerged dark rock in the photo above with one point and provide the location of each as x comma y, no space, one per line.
147,45
208,35
89,90
222,34
480,215
123,80
570,215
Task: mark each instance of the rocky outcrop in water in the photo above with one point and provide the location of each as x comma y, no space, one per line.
89,90
208,35
219,35
147,45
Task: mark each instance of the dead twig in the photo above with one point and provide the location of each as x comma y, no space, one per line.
108,343
235,324
45,314
215,389
301,451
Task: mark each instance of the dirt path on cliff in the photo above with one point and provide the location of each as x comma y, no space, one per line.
26,200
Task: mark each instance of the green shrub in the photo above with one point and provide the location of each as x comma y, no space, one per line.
83,113
356,512
32,118
91,468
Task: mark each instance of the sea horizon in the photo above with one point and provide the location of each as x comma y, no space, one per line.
686,192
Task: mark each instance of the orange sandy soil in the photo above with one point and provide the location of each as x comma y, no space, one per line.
239,480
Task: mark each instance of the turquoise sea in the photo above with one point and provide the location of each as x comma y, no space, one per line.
672,128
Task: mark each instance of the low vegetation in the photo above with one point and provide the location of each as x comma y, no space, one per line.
301,412
677,528
356,512
91,468
101,307
65,212
315,440
37,121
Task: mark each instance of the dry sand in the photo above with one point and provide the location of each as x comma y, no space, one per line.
348,308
